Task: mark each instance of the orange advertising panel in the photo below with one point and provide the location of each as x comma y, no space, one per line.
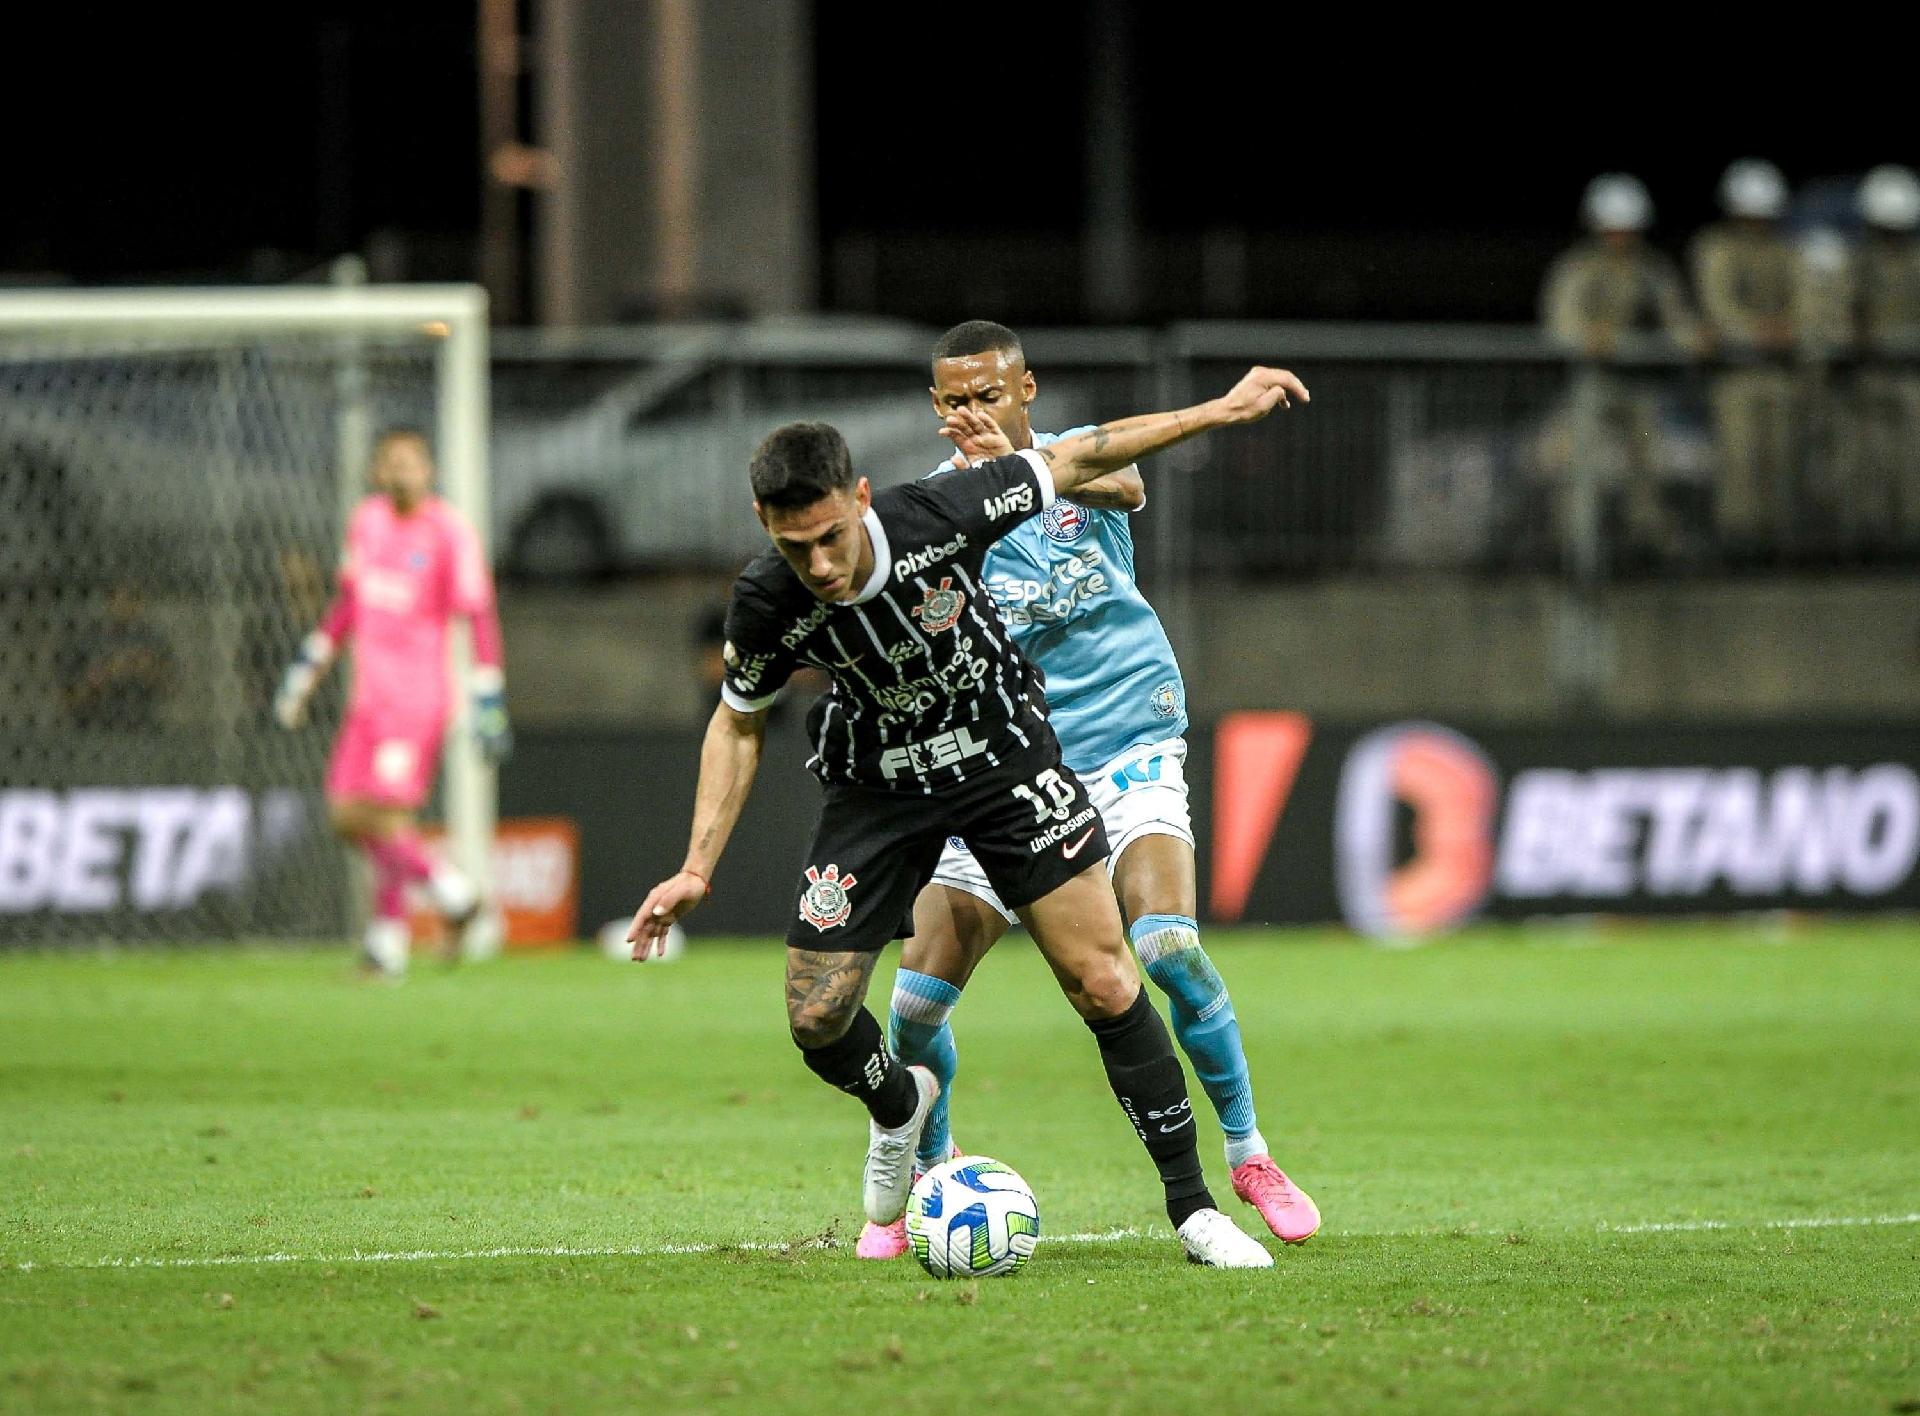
536,883
1257,757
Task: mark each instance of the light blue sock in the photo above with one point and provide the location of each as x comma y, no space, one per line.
1203,1021
917,1026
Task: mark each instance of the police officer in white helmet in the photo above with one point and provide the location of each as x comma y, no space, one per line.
1882,505
1748,279
1621,305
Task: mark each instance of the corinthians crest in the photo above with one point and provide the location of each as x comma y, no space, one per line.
824,903
941,608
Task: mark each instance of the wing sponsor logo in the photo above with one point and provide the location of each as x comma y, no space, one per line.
824,904
1065,522
1015,501
916,561
940,610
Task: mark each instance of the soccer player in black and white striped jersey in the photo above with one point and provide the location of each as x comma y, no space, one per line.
935,727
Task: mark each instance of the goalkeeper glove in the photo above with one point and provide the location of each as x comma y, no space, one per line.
298,682
490,716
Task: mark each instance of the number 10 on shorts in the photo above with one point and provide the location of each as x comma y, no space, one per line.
1061,806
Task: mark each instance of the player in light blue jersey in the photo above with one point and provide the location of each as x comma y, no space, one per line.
1064,583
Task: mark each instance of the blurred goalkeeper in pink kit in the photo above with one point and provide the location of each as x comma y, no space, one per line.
412,563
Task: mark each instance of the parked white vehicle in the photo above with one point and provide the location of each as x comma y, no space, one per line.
653,470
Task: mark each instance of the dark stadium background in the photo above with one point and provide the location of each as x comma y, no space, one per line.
1430,178
1567,634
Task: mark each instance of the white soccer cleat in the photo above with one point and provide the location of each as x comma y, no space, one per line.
482,936
386,945
454,893
889,1174
1210,1238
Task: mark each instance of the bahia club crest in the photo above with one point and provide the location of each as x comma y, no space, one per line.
824,904
941,608
1064,522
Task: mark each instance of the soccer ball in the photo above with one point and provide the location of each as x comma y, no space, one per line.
972,1218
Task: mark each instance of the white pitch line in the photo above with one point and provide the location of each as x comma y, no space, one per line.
645,1251
557,1251
1691,1226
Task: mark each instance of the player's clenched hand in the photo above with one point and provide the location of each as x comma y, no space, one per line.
1259,393
301,678
296,688
666,904
491,727
975,437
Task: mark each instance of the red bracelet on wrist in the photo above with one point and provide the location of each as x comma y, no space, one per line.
701,878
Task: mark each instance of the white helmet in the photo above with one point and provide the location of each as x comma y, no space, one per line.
1890,198
1615,201
1824,251
1753,187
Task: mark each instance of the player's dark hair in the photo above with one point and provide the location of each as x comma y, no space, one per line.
978,337
799,463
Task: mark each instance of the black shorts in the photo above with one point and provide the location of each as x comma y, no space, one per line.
1028,822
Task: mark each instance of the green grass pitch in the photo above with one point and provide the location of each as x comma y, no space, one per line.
1558,1172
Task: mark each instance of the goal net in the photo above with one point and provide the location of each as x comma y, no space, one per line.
175,471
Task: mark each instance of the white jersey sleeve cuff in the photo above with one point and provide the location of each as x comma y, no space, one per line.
1042,474
746,705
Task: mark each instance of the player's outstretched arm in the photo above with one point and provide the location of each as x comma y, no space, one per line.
1125,490
1080,459
729,758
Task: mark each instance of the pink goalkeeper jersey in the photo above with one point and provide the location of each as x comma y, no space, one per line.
402,581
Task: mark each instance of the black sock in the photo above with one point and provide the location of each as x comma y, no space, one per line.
1146,1076
859,1064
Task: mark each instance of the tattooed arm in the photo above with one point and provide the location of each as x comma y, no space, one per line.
729,758
824,990
1125,490
1085,457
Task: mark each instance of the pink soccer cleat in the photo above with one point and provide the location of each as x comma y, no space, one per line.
1282,1204
889,1241
882,1241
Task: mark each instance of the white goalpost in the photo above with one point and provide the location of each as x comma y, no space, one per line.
175,468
